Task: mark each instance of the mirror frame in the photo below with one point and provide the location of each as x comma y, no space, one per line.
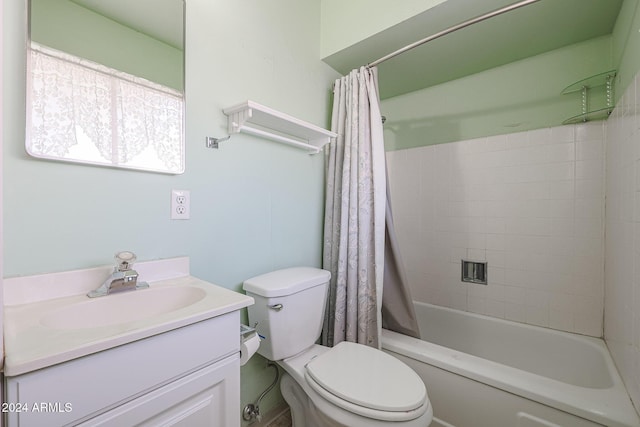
106,164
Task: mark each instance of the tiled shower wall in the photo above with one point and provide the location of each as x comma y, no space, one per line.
622,290
531,204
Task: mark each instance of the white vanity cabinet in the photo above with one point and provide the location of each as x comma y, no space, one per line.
189,376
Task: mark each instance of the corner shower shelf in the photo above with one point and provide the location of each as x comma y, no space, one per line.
256,119
584,86
600,114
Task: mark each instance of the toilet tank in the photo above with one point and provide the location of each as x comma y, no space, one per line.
289,309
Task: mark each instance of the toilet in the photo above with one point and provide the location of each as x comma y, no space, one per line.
346,385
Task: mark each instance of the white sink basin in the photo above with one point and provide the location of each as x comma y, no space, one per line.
123,307
51,331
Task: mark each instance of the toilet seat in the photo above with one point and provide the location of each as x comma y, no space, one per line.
367,382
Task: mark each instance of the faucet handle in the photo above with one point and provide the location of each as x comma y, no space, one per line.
124,260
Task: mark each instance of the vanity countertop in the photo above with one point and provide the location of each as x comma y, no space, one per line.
36,338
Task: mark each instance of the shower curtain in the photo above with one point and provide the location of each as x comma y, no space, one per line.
354,229
398,313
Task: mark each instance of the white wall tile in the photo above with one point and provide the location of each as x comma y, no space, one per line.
563,152
589,188
562,134
514,295
562,189
496,275
494,226
476,255
590,131
561,319
558,245
562,227
530,204
558,208
589,149
538,136
589,169
515,312
589,208
496,143
538,316
517,140
496,308
621,258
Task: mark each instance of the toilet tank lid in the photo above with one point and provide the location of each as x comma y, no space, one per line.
287,281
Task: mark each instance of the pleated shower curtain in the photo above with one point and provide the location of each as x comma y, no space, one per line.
398,313
368,287
355,212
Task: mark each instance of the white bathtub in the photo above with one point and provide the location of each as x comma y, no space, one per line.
486,372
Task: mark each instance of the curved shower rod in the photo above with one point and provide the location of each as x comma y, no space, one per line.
452,29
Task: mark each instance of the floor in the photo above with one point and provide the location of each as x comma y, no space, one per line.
283,420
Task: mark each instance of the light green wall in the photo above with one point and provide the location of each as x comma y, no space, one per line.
65,26
371,16
626,45
515,97
519,96
255,205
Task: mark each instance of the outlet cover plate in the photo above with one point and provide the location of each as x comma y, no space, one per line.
180,204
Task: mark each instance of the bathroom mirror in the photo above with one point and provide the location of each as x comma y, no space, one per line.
105,83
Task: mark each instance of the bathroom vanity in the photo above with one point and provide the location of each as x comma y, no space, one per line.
167,355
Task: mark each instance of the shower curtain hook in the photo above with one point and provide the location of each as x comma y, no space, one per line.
212,142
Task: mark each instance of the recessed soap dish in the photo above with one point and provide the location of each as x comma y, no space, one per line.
474,272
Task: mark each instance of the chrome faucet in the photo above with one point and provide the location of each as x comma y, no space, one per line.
123,278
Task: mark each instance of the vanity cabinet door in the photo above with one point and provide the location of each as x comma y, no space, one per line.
80,389
209,397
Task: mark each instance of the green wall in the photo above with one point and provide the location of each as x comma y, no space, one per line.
519,96
338,17
68,27
626,45
256,205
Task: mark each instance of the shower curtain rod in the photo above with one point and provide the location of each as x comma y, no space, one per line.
452,29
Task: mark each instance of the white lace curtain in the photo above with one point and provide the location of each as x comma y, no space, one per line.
121,115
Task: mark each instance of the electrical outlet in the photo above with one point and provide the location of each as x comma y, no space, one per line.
180,201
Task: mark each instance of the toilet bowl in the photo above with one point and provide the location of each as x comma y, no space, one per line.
346,385
401,402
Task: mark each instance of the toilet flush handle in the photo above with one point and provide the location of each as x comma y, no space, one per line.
276,307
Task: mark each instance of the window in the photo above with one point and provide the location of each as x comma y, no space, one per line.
78,110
